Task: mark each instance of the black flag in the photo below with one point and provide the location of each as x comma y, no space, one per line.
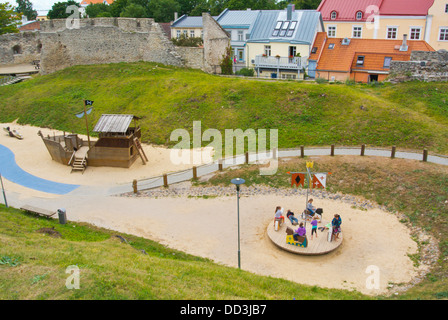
88,102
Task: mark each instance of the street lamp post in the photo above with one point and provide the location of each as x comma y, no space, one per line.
238,182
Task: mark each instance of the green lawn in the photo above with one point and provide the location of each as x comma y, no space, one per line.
410,115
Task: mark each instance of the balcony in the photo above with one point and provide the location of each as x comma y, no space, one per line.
281,63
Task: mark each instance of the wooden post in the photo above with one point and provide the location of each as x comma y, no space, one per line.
247,157
425,155
134,186
220,165
302,151
392,155
332,150
195,173
87,124
363,148
165,180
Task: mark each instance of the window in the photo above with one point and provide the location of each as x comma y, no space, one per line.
241,55
331,46
446,8
359,15
277,28
333,15
186,33
443,34
292,51
387,61
391,33
267,51
192,33
240,35
415,33
177,34
314,50
360,61
288,76
284,29
357,32
331,31
292,28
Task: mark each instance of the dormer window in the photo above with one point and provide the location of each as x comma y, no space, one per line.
333,15
359,15
360,61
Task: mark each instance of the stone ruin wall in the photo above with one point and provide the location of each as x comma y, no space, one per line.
423,66
17,48
109,40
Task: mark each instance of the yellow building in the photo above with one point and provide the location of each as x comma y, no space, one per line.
387,19
189,27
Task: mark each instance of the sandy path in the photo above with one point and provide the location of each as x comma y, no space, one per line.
208,227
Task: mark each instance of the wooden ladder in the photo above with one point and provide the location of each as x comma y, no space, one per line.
79,164
140,151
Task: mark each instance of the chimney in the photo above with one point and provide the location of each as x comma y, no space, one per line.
289,10
404,45
175,16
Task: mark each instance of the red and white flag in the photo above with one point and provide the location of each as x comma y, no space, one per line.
319,180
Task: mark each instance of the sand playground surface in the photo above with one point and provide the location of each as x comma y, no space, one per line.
372,239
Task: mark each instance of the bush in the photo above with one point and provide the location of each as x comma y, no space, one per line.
247,72
184,41
226,62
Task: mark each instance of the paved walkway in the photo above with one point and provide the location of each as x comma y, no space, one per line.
155,182
11,171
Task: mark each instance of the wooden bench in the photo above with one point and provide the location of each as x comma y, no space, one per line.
38,211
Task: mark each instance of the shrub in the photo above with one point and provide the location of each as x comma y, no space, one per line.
247,72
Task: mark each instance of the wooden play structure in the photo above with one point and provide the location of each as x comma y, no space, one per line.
118,145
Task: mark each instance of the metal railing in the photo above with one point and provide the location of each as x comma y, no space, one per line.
8,80
293,63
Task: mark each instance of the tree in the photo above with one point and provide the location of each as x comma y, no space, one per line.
133,10
163,10
26,8
306,4
98,10
59,10
9,19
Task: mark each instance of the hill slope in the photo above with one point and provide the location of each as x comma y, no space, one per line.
411,115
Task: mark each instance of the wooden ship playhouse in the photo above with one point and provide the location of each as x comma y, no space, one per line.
118,145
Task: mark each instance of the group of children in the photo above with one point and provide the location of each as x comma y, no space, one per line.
301,230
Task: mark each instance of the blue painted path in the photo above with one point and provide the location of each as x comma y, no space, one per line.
11,171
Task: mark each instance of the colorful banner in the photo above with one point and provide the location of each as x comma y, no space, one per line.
319,180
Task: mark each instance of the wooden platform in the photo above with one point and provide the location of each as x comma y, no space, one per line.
316,246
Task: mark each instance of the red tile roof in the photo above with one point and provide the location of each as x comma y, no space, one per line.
35,25
342,58
346,9
406,7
